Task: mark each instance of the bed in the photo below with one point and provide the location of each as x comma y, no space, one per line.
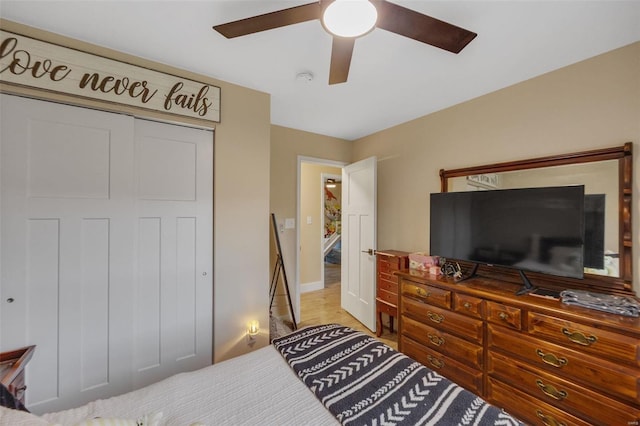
320,375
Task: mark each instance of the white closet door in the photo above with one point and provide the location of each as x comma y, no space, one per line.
106,249
66,251
173,302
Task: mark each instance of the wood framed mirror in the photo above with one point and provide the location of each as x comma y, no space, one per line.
605,172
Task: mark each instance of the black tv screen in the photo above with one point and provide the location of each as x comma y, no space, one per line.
531,229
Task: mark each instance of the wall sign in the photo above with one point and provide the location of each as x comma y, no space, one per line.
29,62
487,180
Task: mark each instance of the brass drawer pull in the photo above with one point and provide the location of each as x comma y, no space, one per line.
423,293
549,420
551,391
467,305
435,362
435,317
551,359
436,340
503,316
580,338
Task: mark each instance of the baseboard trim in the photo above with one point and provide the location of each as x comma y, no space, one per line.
313,286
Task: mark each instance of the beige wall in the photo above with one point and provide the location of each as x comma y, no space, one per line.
588,105
311,235
241,195
287,145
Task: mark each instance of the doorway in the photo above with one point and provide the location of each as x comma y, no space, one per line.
331,228
358,223
319,230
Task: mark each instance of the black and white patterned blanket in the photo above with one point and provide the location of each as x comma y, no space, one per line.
362,381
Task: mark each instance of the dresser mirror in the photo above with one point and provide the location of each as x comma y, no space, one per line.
607,177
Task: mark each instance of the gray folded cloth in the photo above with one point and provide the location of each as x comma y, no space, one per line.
621,305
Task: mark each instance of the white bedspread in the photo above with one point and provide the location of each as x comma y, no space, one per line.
254,389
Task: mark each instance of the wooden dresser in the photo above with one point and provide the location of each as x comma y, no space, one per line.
12,365
542,361
388,262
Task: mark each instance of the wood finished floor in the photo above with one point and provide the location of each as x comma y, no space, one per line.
323,307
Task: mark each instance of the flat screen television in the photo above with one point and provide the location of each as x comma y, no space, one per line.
530,229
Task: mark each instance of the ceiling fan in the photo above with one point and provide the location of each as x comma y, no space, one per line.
380,13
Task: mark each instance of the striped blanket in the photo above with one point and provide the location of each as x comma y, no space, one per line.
362,381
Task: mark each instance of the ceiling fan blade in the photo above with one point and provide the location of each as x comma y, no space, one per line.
341,52
268,21
420,27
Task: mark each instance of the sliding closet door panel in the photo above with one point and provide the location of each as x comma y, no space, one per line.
174,192
67,248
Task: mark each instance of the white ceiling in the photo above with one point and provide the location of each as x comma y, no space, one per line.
392,79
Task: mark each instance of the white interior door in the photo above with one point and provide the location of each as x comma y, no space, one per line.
173,302
106,249
67,253
358,275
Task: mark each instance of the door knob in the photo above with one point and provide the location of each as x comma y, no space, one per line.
370,252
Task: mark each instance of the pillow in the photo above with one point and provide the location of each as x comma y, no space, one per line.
8,400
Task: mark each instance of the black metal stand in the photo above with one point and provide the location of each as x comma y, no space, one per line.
279,266
527,287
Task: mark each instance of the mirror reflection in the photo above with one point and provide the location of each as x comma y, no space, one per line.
601,188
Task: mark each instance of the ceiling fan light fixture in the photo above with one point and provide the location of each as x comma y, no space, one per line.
350,18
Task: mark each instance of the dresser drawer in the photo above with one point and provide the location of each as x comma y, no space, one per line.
527,409
585,339
388,285
431,295
389,263
616,380
568,396
388,297
468,305
444,343
457,372
508,316
460,325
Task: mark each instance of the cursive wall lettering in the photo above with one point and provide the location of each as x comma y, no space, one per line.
198,103
119,86
21,62
35,63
